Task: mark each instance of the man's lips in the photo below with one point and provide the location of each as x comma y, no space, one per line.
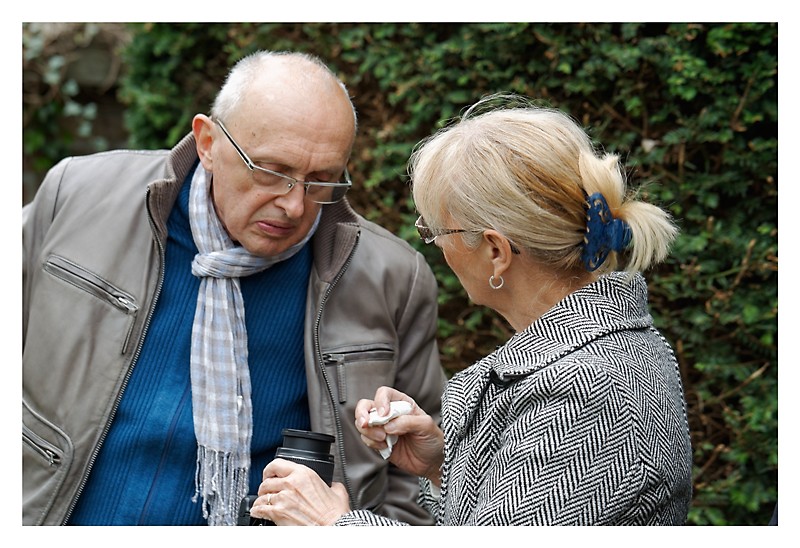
275,228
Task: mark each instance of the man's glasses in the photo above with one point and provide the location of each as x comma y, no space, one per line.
429,235
275,182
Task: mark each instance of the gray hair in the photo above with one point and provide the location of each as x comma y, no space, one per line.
526,171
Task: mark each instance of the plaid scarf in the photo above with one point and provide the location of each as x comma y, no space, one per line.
223,414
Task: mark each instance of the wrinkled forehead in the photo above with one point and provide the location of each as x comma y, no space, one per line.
311,122
285,87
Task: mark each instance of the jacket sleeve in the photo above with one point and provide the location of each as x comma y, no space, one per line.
419,372
420,375
36,219
365,518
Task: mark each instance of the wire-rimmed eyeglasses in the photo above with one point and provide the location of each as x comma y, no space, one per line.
429,235
275,182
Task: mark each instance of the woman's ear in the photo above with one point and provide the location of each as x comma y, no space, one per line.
499,250
202,127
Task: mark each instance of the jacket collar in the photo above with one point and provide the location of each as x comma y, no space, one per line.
335,239
615,302
162,193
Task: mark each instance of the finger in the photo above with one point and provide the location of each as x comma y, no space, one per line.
374,433
381,404
261,506
420,425
363,407
280,468
373,444
383,396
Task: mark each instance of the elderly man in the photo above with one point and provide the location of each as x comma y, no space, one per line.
181,308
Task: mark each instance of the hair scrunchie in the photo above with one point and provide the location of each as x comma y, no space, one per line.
604,233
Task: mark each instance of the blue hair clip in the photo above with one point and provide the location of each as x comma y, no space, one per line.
604,233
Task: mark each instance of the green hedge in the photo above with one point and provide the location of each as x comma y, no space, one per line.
692,109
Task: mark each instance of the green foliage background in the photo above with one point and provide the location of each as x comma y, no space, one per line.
692,109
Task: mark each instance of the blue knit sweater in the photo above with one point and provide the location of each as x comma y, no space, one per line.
144,474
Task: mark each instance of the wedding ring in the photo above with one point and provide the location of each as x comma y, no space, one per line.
269,499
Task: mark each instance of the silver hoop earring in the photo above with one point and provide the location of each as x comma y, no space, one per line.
498,286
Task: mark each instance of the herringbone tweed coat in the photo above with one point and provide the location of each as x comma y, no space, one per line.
578,420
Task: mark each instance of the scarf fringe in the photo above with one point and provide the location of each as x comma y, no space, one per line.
222,480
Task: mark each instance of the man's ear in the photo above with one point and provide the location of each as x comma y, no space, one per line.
499,249
202,128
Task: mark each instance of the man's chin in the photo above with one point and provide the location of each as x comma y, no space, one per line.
271,249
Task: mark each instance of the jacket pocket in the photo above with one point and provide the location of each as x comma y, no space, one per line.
96,286
360,370
47,455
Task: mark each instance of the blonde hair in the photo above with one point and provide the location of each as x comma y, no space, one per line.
526,172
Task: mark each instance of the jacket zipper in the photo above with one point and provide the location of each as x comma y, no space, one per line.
339,359
86,280
321,362
139,345
41,446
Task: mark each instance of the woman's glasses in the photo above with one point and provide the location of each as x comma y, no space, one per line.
429,234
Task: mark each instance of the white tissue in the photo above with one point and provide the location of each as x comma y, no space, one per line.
396,408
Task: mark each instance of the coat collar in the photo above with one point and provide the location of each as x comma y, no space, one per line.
615,302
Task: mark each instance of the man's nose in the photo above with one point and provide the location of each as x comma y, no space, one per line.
293,202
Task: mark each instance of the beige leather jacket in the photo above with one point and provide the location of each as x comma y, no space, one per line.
93,254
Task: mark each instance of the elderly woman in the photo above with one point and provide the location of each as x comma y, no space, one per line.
578,419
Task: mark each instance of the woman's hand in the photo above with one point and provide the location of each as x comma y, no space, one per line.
419,449
293,494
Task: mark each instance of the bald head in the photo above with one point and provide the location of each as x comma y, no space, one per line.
285,80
